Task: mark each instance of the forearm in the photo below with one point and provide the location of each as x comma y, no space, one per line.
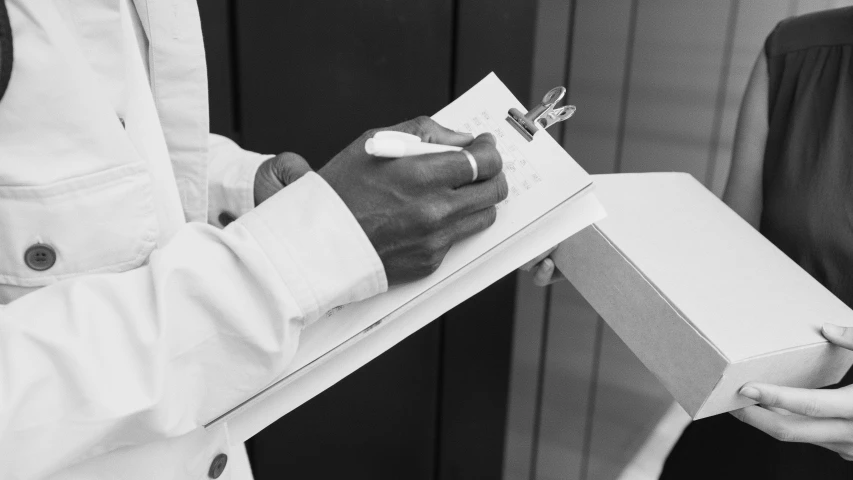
112,360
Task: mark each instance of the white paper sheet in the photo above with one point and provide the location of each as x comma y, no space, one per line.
549,201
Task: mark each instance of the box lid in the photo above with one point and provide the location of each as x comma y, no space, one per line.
737,289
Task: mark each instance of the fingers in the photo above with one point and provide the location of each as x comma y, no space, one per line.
290,167
555,275
477,196
431,131
439,243
780,411
544,273
489,162
795,428
473,223
455,168
841,336
527,266
803,401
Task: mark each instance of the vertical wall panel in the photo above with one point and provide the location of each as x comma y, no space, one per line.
677,60
598,62
475,371
550,57
629,400
756,19
216,27
495,35
315,75
571,341
600,35
808,6
490,35
524,374
550,51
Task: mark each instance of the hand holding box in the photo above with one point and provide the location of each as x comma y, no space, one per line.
703,299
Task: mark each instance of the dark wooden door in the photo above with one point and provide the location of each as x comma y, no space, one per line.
309,77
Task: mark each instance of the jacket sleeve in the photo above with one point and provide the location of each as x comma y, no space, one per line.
231,178
110,360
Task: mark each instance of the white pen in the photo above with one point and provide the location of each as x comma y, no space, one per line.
390,144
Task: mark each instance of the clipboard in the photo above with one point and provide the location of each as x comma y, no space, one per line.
556,204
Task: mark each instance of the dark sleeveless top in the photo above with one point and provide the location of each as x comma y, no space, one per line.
808,161
808,213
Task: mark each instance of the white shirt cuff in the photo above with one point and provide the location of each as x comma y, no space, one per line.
317,246
231,179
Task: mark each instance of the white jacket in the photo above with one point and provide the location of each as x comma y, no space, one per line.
148,322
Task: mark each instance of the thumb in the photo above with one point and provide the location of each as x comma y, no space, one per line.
289,167
838,335
527,266
278,172
544,273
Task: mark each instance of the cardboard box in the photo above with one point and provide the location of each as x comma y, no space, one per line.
702,298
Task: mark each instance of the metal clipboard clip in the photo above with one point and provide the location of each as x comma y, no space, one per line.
541,116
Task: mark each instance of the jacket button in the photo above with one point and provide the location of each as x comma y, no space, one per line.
40,257
217,466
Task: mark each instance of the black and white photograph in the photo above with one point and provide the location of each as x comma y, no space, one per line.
426,239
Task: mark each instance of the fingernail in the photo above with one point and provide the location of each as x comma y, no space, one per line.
467,134
751,393
549,264
833,330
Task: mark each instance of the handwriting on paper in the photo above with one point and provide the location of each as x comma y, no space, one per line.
521,176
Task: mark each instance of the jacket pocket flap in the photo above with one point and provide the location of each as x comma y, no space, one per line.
100,222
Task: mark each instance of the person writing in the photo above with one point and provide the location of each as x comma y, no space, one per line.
126,321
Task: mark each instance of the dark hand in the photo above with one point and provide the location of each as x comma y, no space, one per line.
414,209
277,173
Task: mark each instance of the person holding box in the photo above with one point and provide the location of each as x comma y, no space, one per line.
791,178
